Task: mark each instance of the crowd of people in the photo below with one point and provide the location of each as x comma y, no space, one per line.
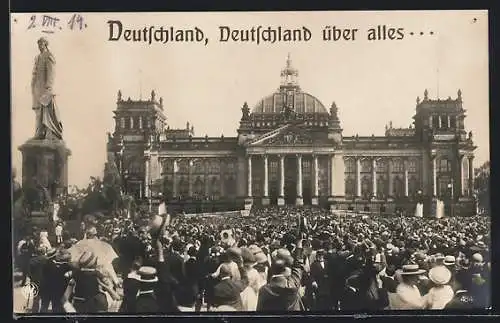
275,259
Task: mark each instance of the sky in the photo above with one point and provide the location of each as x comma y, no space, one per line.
372,82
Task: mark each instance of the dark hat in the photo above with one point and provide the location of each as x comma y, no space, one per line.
248,257
225,270
223,295
233,252
63,256
147,274
88,260
261,258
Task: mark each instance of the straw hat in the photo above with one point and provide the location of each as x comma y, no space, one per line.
411,270
477,257
449,261
147,274
440,275
260,258
51,253
88,260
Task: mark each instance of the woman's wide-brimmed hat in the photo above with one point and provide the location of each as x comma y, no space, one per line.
88,260
411,270
440,275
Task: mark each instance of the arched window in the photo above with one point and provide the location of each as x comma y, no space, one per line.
366,189
215,187
381,166
199,187
198,166
136,167
350,187
413,186
183,166
350,165
167,188
465,176
381,187
366,166
444,165
214,166
398,187
167,166
183,186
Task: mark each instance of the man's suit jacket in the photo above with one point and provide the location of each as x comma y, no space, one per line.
320,275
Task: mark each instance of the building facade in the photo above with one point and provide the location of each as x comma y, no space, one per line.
290,149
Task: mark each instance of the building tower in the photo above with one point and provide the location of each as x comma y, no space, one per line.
448,151
138,125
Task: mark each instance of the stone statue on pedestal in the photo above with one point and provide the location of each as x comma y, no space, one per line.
48,124
45,157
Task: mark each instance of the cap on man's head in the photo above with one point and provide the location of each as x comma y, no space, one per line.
225,270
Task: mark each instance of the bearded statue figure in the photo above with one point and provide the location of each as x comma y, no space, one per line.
48,124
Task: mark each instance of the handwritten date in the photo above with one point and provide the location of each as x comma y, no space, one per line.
50,24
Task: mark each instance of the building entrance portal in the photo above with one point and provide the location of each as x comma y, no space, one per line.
290,180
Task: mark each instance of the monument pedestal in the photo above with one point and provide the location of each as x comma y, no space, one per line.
45,165
266,201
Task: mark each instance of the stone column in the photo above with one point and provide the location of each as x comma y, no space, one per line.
190,177
471,175
449,122
265,198
434,177
131,122
281,198
405,165
205,177
146,177
374,177
249,176
332,175
389,178
315,199
439,118
222,176
174,179
358,177
461,179
140,122
299,200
